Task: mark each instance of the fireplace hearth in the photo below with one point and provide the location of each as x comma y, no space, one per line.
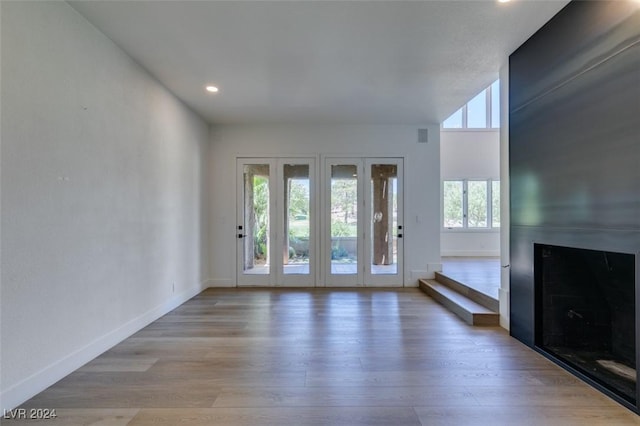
585,314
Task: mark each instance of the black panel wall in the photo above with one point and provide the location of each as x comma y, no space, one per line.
574,141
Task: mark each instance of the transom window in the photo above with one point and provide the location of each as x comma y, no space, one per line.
481,112
471,204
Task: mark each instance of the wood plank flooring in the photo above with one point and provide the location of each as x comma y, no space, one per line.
479,273
322,357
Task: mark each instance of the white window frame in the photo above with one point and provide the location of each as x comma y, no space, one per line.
464,127
465,216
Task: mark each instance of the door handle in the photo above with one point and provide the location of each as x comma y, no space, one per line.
242,235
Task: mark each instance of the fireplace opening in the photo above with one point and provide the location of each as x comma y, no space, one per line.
586,314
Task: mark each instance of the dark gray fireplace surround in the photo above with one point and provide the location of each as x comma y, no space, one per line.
574,148
585,313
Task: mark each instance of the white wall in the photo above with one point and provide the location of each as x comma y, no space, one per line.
505,213
470,155
422,182
102,189
470,243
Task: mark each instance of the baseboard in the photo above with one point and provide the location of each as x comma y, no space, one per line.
503,296
37,382
470,253
220,282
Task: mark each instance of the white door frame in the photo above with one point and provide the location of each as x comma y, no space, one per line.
242,277
275,275
296,279
380,279
363,275
320,220
341,280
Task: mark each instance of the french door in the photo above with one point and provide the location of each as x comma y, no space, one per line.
276,223
363,232
350,236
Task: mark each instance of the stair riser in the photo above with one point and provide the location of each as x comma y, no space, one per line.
470,293
471,318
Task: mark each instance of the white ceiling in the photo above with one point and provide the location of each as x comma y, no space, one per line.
351,62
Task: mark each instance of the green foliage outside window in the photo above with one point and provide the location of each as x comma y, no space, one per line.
470,204
495,204
261,213
453,204
477,204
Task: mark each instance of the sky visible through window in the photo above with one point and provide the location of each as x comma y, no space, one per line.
454,121
481,112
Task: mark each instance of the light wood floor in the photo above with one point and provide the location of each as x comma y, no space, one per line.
322,357
479,273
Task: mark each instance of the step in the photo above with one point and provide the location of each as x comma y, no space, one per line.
471,312
478,297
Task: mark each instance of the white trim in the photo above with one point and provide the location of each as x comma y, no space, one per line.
276,276
503,297
505,220
342,280
296,280
382,280
363,277
252,280
39,381
470,253
495,230
469,129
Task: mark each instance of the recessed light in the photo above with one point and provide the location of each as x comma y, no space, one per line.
504,1
212,89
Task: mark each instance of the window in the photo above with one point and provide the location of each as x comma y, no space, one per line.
481,112
454,121
453,198
477,204
495,204
477,111
471,204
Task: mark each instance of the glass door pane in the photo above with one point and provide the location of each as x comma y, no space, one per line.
384,219
384,233
276,222
256,220
297,241
343,219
